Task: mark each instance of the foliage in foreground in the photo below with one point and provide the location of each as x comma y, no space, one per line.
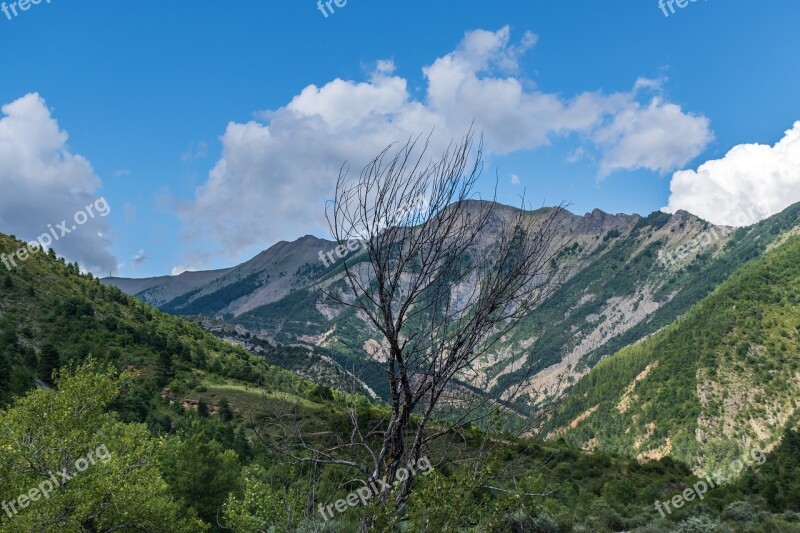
50,432
174,468
188,482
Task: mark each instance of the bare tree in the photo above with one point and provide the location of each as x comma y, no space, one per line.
442,280
405,289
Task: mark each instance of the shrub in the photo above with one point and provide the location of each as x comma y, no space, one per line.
699,524
739,512
520,523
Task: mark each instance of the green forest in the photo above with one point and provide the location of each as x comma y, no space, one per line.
183,421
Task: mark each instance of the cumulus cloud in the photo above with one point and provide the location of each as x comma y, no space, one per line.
44,183
657,136
751,183
276,171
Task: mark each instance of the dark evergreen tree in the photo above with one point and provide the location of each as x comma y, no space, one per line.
202,408
241,445
49,360
225,413
164,369
5,378
201,472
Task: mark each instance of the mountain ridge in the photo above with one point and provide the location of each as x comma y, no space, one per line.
271,295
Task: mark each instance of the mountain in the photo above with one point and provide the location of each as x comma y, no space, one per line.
175,420
722,380
268,277
625,277
191,455
47,307
157,291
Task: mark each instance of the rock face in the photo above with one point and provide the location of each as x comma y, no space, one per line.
718,384
626,276
666,336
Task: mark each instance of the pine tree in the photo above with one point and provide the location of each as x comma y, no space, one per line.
225,413
164,368
241,445
202,408
5,378
49,360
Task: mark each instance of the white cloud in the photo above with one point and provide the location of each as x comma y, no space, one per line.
44,183
197,150
514,179
649,83
577,154
139,258
752,182
385,66
178,270
276,171
657,137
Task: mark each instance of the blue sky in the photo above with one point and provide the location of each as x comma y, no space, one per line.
195,120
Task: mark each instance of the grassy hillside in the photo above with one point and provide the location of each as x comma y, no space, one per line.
721,380
52,315
180,426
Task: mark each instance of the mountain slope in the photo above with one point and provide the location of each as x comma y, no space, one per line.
721,380
46,302
51,314
266,278
627,277
158,291
618,291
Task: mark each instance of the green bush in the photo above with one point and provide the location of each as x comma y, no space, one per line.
740,512
700,524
